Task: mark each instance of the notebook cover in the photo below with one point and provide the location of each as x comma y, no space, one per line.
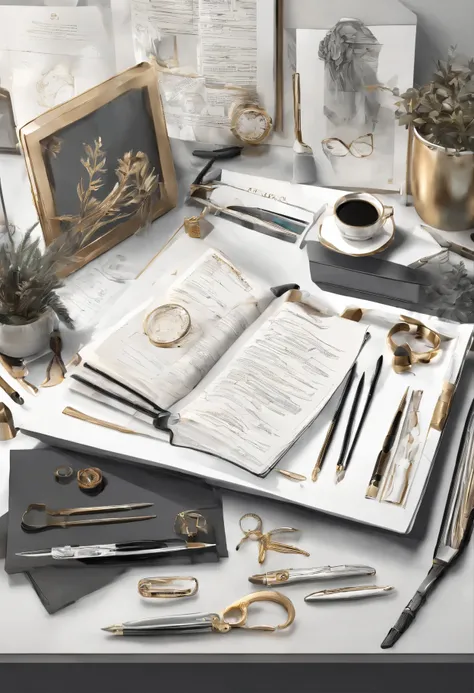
32,480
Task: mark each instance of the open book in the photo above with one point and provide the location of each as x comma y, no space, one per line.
252,373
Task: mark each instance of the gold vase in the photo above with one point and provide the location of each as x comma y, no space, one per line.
442,185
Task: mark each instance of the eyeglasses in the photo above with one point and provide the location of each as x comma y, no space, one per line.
360,148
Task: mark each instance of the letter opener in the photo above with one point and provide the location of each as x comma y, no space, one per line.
360,592
131,548
455,532
333,425
208,622
365,411
384,454
348,431
292,575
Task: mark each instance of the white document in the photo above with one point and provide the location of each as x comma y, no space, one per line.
351,109
222,304
50,55
212,54
273,388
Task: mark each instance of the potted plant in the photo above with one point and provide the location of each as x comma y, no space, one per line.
29,280
441,115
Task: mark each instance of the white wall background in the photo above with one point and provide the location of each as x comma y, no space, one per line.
441,23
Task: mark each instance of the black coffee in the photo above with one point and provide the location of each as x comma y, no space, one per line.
357,213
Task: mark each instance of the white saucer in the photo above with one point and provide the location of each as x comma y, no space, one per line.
332,238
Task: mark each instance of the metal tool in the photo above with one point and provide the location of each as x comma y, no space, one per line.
359,592
265,541
75,414
13,394
56,370
449,245
18,370
213,622
49,513
289,576
132,548
333,425
168,587
456,530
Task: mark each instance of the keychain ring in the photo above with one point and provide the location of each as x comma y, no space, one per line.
256,529
167,325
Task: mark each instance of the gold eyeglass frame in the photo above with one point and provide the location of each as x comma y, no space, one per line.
348,147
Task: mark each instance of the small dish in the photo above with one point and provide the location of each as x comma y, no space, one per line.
332,238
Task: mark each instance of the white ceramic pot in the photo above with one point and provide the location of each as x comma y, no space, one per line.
25,340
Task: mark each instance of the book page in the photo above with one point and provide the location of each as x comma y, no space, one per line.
272,389
222,304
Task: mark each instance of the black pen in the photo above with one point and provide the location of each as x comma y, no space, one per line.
384,455
333,425
370,395
347,435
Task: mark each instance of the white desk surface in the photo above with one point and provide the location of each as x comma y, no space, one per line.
444,625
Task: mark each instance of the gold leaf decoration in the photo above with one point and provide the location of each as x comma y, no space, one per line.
134,193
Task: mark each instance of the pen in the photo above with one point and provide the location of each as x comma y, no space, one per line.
11,392
384,454
345,443
443,405
365,411
292,575
133,548
333,425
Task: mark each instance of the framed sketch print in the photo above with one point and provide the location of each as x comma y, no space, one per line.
102,162
8,138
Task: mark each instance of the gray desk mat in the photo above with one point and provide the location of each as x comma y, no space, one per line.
32,475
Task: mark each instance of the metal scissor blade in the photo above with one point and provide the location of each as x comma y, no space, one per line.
185,623
39,553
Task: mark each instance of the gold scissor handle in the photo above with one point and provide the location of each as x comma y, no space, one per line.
238,612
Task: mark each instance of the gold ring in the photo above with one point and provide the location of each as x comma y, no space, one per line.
258,527
167,325
90,478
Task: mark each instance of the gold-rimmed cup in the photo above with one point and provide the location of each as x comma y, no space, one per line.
361,216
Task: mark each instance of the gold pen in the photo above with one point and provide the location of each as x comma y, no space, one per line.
384,454
443,405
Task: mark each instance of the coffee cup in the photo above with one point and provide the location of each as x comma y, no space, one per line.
360,216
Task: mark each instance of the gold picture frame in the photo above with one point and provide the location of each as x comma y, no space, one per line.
105,124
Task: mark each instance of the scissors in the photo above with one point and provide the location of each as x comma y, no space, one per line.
233,616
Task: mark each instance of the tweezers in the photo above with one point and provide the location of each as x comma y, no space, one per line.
66,512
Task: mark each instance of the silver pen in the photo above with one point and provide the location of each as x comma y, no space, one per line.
361,592
133,548
293,575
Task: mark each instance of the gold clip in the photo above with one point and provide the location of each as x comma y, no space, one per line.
265,541
189,523
167,587
404,356
238,612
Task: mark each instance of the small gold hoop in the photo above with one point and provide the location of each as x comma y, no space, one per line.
169,310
